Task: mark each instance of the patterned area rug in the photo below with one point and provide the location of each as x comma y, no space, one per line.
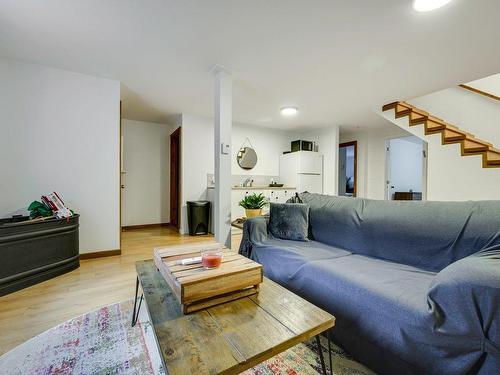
103,342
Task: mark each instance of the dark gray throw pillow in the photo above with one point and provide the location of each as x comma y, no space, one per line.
289,221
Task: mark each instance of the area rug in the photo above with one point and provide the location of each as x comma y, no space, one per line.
103,342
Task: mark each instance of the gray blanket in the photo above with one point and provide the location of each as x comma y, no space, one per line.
415,286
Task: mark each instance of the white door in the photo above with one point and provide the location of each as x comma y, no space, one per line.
405,166
312,183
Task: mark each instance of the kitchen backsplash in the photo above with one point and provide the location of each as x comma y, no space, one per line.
236,180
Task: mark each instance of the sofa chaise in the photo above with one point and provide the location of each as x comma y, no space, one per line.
415,286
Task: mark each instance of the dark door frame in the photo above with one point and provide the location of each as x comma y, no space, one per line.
355,144
175,156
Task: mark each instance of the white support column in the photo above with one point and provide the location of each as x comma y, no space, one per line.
222,138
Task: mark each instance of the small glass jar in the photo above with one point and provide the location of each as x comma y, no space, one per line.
211,258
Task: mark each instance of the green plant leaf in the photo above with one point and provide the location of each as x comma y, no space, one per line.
253,201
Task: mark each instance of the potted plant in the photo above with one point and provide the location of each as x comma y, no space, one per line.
253,204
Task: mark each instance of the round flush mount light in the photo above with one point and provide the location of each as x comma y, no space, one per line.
428,5
289,111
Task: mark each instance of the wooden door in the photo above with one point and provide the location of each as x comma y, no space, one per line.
175,139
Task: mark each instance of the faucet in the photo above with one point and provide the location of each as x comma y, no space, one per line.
248,182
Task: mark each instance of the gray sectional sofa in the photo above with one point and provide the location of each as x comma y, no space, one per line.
415,286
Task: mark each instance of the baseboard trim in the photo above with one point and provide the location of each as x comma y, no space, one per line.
100,254
125,227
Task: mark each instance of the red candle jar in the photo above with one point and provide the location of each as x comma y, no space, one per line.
211,258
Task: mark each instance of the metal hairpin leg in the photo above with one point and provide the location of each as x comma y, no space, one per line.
135,313
320,352
328,335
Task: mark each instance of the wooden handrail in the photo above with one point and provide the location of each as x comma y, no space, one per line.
480,92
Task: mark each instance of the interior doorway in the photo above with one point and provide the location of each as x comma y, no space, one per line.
406,168
175,142
348,169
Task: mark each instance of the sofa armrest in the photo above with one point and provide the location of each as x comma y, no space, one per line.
464,300
254,232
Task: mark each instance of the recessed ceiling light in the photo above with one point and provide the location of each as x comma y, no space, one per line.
428,5
289,111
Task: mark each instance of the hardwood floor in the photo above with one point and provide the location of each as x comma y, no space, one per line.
96,283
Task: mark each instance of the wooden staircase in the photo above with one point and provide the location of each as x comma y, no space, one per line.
470,145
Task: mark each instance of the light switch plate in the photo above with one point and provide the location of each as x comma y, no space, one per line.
224,149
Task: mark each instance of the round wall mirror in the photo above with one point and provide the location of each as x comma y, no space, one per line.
247,158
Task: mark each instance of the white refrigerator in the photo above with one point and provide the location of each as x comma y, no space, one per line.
302,170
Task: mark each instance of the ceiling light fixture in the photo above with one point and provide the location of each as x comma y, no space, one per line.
428,5
289,111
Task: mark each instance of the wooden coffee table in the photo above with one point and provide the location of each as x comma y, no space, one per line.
231,337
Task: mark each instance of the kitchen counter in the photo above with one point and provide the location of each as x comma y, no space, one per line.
262,188
257,188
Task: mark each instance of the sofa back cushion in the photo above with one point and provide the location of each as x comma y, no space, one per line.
428,235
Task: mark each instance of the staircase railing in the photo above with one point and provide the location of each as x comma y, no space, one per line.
480,92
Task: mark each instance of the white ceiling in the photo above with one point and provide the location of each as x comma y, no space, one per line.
334,59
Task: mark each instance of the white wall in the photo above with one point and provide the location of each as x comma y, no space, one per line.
372,157
269,144
197,160
197,134
59,131
146,161
406,161
451,176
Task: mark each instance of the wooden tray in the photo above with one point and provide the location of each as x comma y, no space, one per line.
197,288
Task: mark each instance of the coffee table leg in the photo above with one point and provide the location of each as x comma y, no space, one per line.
135,313
328,334
320,350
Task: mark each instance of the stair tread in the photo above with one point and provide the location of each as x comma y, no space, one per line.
455,131
476,141
420,111
402,110
436,119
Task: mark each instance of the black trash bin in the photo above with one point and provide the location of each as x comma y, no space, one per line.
198,215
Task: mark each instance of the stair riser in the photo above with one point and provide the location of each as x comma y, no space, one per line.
434,130
389,106
473,151
450,140
452,136
488,163
414,120
403,113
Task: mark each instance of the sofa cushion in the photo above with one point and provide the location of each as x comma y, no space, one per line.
428,235
289,221
282,259
373,300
